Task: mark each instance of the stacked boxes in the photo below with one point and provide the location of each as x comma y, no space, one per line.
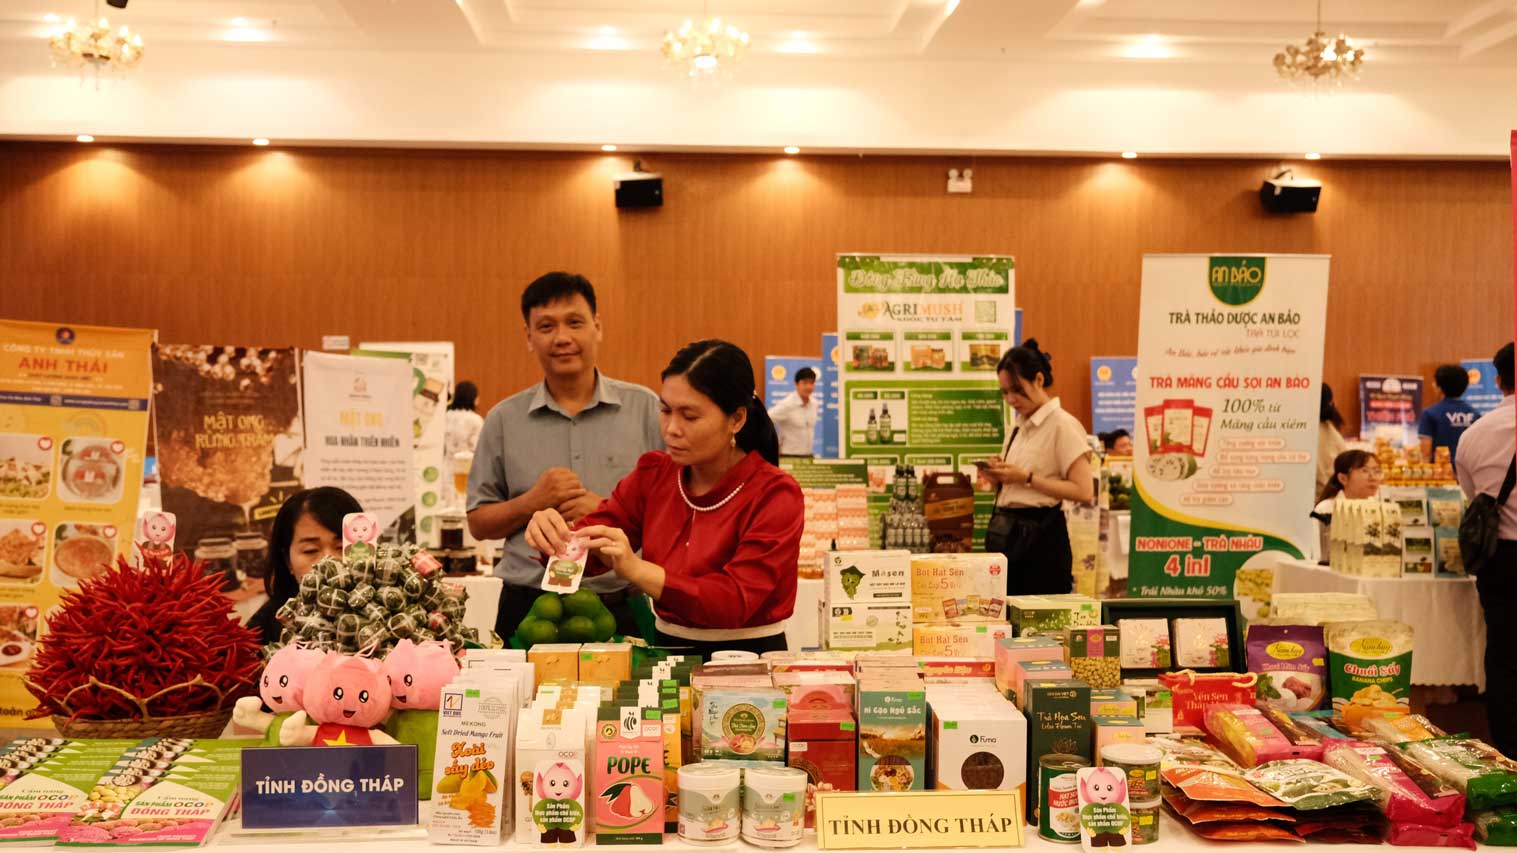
1050,615
866,603
824,743
978,739
892,719
958,640
1010,652
958,588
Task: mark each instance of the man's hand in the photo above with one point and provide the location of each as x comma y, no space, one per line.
574,509
556,487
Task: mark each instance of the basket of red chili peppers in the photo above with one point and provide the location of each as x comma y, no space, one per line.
143,652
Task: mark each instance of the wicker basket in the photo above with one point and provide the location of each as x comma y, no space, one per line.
205,724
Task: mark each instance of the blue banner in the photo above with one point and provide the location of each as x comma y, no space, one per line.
1113,393
1483,394
827,386
311,787
1016,329
779,382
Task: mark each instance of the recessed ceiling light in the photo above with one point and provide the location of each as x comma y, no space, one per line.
239,22
608,148
1152,46
797,45
791,149
608,31
1129,155
50,18
84,137
1313,156
261,141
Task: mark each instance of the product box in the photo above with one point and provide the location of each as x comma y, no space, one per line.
1110,730
1155,704
955,639
861,627
1058,720
1011,651
606,664
628,789
824,743
978,745
856,577
1446,546
1036,670
1419,555
471,777
1033,615
743,724
555,662
816,689
1094,655
892,746
951,670
550,784
1114,703
958,588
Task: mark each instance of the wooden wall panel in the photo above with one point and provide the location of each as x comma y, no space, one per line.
230,245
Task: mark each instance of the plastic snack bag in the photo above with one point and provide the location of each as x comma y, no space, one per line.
1194,753
1497,828
1321,723
1198,783
1306,740
1369,669
1309,785
1487,778
1418,835
1291,661
1402,728
1247,831
1247,736
1400,797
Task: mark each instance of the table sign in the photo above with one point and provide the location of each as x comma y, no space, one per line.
918,819
329,786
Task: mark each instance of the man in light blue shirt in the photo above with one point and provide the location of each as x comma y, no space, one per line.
563,443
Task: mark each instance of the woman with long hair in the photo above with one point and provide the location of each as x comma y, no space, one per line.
307,529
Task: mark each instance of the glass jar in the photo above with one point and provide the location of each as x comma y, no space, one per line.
218,557
452,531
252,554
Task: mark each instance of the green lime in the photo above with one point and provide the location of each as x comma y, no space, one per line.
577,629
534,631
584,603
548,607
605,626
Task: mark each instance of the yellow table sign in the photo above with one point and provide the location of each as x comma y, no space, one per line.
918,819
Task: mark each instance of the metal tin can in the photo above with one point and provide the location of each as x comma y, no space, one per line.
1145,822
1140,762
1058,810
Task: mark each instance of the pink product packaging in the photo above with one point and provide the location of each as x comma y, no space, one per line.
1247,735
1402,800
1420,835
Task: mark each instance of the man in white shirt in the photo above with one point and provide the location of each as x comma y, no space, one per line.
1485,454
795,416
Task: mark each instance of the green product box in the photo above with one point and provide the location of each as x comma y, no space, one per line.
892,734
1050,615
1058,720
1115,703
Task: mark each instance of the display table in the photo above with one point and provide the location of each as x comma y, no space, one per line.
1172,837
1448,625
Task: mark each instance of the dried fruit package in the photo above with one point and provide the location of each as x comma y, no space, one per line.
1307,740
1246,736
1400,797
1193,753
1199,783
1360,823
1496,828
1291,661
1369,669
1487,778
1320,723
1197,811
1244,832
1402,728
1419,835
1309,785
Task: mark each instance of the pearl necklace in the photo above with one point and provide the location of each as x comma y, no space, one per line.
679,480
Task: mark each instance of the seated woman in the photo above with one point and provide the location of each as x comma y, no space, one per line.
717,524
1356,475
307,529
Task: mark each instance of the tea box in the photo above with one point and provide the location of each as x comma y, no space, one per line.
555,662
892,719
629,784
1009,652
1058,720
867,576
958,588
823,742
607,664
954,639
746,723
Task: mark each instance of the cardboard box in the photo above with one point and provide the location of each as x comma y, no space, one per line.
824,743
958,640
1094,655
861,627
817,689
978,744
952,670
857,577
550,747
742,724
607,664
555,662
1011,651
958,588
1058,720
892,746
1110,730
1033,615
628,789
1036,670
1113,703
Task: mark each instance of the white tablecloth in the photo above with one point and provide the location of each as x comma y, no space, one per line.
1448,625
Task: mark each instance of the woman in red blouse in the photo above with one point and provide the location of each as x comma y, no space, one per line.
717,524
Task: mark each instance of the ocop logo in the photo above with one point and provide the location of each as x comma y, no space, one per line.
1235,281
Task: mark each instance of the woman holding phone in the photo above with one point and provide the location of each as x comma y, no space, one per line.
1046,461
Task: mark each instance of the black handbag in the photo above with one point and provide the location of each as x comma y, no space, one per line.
1478,531
1012,533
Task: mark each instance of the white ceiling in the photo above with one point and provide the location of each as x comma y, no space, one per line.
1210,31
1182,77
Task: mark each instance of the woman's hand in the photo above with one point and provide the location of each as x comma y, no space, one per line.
1000,472
611,545
548,532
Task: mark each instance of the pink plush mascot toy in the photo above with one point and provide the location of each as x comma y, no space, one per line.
417,673
281,689
346,696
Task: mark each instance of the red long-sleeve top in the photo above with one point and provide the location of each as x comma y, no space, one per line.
728,568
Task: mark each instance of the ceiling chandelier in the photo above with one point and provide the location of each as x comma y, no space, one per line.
93,44
1320,56
707,51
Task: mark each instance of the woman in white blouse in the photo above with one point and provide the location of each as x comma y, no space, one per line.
463,422
1046,461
